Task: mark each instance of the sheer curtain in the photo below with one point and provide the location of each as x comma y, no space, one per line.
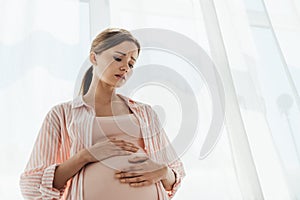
260,51
42,46
283,29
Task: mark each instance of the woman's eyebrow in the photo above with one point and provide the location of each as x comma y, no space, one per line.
124,54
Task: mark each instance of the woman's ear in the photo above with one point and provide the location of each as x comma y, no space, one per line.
93,58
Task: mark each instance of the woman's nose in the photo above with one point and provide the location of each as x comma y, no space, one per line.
125,66
124,69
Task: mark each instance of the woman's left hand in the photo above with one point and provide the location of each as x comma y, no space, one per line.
144,172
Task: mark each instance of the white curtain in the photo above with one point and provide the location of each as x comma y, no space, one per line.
284,19
42,46
254,44
265,71
259,79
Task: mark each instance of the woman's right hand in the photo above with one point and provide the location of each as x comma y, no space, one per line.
109,148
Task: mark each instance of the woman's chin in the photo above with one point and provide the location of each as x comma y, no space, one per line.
120,84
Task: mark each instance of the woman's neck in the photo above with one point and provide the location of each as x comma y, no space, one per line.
100,94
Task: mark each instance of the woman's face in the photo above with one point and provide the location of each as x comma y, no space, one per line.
115,65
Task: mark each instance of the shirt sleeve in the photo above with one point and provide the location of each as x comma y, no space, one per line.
168,154
36,182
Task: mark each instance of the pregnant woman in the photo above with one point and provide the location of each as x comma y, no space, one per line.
103,145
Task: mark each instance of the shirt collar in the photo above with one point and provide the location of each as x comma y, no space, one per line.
78,101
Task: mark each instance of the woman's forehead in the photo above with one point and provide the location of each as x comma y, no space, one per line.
125,47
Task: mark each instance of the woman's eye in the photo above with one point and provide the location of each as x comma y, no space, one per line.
117,59
120,59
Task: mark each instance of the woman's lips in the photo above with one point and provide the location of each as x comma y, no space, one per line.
118,76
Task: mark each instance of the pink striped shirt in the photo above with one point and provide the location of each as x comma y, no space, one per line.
67,128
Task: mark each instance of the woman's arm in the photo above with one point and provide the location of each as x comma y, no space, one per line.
36,182
175,164
69,168
170,179
171,158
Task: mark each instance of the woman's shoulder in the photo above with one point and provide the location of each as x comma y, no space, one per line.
62,108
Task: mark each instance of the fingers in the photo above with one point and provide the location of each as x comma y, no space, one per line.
115,141
131,179
138,159
140,184
134,168
131,149
127,146
136,181
129,175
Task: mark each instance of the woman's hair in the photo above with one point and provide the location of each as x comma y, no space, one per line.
107,39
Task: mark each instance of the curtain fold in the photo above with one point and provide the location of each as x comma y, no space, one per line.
265,90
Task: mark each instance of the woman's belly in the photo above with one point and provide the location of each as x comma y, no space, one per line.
99,181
